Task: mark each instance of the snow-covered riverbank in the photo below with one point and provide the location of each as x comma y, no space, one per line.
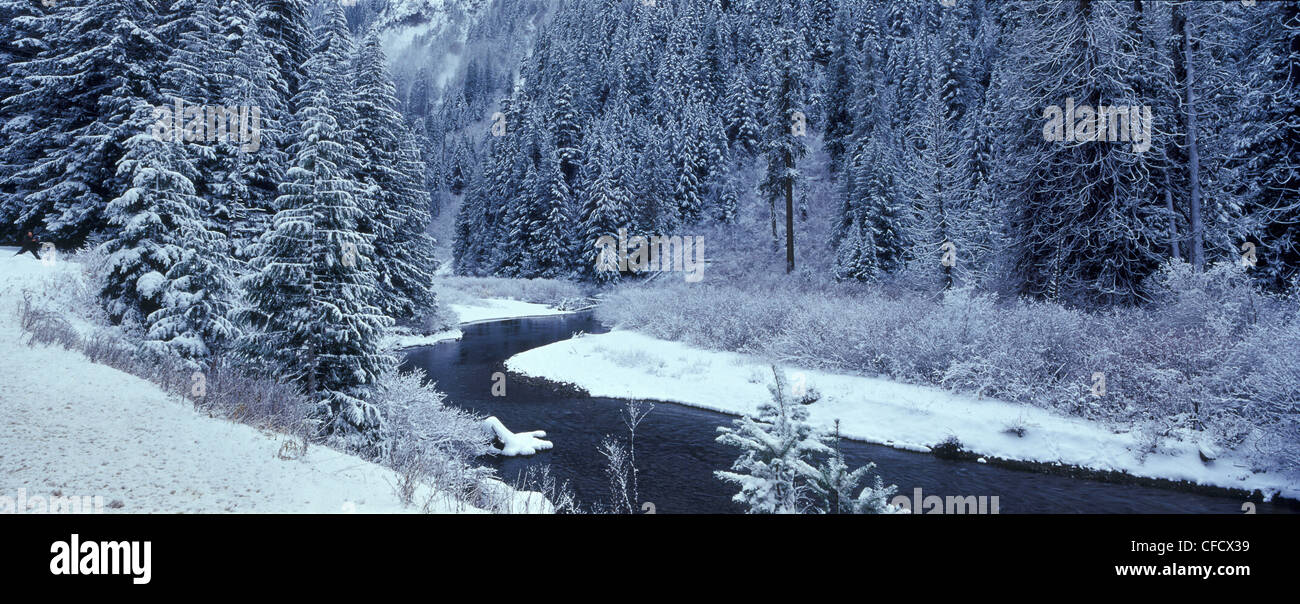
71,428
625,364
496,309
485,309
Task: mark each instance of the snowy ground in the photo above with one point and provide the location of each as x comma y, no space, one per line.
406,340
69,427
485,309
624,364
495,309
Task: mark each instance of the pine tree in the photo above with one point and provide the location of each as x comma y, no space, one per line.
79,96
249,78
605,211
153,222
413,262
856,255
832,484
403,252
939,184
845,60
787,124
728,196
875,206
283,24
311,297
743,130
193,321
20,35
655,183
198,290
688,163
1085,225
551,243
1236,107
567,134
776,448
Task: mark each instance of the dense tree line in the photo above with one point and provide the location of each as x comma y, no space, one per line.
290,236
644,116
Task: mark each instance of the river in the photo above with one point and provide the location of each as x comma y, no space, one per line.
677,454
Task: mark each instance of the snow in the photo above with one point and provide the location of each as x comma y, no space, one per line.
480,311
407,340
625,364
523,443
74,428
495,309
150,283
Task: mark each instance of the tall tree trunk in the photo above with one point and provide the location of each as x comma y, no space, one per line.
1193,151
771,209
1174,251
789,226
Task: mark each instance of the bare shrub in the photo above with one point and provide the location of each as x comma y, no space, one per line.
265,403
46,327
538,479
427,441
107,348
618,470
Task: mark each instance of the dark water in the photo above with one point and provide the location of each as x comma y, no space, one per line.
677,454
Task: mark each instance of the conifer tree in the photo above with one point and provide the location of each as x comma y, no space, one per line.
80,92
787,125
605,210
776,448
313,290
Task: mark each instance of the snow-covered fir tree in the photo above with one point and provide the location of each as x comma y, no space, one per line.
248,77
312,296
833,485
777,453
787,126
390,165
154,221
98,60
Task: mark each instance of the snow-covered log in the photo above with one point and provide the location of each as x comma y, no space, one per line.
523,443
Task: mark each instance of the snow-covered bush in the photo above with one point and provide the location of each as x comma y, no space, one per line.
426,440
1257,391
106,347
232,392
705,316
1210,358
1221,299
